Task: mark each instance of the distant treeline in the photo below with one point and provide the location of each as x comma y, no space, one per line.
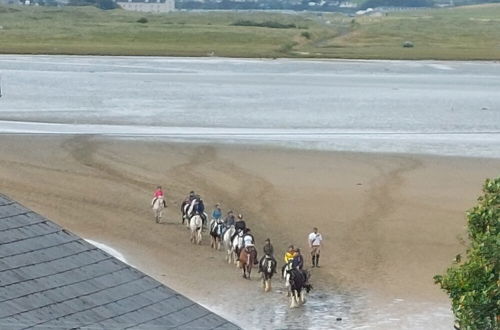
268,24
103,4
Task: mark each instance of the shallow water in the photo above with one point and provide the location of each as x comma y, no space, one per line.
450,108
334,308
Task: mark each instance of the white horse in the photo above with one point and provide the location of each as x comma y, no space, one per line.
195,224
158,204
228,244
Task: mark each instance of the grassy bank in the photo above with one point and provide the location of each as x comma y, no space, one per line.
460,33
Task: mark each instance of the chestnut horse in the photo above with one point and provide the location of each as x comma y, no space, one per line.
247,259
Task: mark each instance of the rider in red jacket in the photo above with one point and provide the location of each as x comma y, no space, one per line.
159,194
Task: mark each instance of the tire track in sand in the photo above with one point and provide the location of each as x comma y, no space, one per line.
252,195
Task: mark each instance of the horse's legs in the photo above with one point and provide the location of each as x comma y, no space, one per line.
302,296
294,300
267,284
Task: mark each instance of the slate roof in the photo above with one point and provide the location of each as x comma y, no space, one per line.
53,279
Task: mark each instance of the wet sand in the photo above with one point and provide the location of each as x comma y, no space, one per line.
390,222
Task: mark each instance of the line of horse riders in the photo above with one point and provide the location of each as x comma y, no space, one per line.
239,243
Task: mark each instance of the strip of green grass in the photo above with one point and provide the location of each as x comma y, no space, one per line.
455,34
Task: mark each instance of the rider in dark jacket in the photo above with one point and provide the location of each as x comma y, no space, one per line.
298,260
240,226
200,208
268,252
229,220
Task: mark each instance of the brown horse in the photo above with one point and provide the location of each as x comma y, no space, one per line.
248,256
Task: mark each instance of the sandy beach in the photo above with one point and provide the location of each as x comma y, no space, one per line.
390,222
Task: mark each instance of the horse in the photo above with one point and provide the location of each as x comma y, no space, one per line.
228,246
286,275
299,285
195,224
216,230
158,204
184,207
267,268
247,259
187,209
236,246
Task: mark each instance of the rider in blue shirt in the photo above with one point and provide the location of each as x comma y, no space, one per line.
217,213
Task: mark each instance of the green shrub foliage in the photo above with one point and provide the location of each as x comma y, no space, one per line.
473,285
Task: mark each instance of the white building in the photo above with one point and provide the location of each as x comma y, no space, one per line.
150,6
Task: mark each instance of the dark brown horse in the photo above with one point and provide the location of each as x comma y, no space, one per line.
248,256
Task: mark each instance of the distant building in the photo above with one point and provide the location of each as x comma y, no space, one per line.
348,4
149,6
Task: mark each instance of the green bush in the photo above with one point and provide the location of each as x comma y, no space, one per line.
306,35
408,44
142,20
473,286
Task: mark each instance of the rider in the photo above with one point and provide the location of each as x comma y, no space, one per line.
298,260
268,252
249,243
192,201
188,199
289,254
200,208
158,194
248,239
240,226
229,220
217,213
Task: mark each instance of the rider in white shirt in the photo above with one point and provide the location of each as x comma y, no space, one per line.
248,239
315,240
249,244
